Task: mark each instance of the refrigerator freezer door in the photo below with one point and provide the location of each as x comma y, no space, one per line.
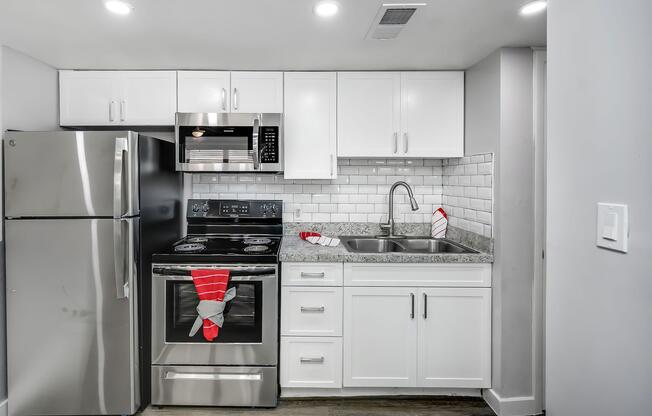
71,174
72,341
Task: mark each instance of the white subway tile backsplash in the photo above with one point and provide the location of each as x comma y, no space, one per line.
463,186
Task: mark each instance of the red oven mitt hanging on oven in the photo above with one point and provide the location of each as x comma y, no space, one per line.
211,286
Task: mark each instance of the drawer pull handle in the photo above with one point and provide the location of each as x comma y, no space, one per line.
319,360
313,308
171,375
318,275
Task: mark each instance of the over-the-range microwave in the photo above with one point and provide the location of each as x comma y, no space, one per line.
229,142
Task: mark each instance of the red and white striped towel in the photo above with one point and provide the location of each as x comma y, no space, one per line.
211,284
439,223
316,238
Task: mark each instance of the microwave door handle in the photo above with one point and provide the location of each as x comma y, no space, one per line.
254,142
119,176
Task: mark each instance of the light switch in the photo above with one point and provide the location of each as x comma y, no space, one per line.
613,226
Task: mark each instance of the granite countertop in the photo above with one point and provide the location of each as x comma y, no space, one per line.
293,249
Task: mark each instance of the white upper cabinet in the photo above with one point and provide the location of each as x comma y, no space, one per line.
310,125
148,98
204,91
454,337
432,114
401,114
368,111
88,98
256,92
130,98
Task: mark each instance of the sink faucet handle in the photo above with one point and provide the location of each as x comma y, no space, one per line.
386,227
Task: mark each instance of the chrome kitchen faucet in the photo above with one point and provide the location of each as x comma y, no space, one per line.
389,226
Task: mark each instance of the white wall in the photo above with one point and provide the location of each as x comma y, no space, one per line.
499,119
599,303
28,101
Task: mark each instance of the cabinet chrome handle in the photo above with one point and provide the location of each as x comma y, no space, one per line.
425,306
315,360
332,164
395,142
223,99
318,275
235,98
123,110
313,308
405,143
112,110
412,299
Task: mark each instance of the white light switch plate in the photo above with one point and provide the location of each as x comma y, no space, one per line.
613,226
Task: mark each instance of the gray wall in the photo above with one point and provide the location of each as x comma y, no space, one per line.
28,101
599,303
499,118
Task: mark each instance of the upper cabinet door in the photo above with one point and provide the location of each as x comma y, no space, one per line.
204,91
257,92
368,112
432,114
149,98
88,98
310,125
455,337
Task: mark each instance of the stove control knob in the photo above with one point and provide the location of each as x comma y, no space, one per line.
195,208
204,207
274,209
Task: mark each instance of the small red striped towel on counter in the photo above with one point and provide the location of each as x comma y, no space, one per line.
439,223
316,238
211,284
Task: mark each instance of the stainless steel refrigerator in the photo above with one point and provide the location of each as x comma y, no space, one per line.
84,211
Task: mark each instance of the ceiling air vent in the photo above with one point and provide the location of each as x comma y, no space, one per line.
391,19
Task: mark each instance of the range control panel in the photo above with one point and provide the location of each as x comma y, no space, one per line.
218,208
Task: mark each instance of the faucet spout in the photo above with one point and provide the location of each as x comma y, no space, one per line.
389,226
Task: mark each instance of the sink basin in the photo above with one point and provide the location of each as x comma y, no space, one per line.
402,245
372,245
431,245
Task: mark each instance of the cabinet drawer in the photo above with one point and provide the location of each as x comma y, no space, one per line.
311,362
311,311
311,274
418,274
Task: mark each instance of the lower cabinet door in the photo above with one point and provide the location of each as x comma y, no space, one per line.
380,333
454,337
311,362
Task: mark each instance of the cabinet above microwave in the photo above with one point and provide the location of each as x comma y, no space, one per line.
229,142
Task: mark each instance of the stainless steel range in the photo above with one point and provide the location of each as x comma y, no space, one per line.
239,367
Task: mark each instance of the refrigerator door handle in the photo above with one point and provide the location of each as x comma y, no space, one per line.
120,259
121,147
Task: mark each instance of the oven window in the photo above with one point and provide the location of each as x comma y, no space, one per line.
243,319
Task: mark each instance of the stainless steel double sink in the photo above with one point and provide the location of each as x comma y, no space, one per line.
422,245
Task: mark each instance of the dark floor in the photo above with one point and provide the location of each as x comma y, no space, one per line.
439,406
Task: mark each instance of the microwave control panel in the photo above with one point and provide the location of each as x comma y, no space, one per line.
268,144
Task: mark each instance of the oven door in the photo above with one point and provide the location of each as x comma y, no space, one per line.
249,335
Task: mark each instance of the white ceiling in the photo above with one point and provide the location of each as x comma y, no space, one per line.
261,34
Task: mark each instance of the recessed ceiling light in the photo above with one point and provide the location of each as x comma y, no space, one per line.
326,8
533,7
118,6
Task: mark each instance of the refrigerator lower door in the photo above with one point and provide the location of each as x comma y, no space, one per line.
71,325
71,174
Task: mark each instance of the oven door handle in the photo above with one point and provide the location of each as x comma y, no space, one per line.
165,272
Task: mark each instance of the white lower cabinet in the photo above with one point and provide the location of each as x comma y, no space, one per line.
424,335
380,337
454,337
314,362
